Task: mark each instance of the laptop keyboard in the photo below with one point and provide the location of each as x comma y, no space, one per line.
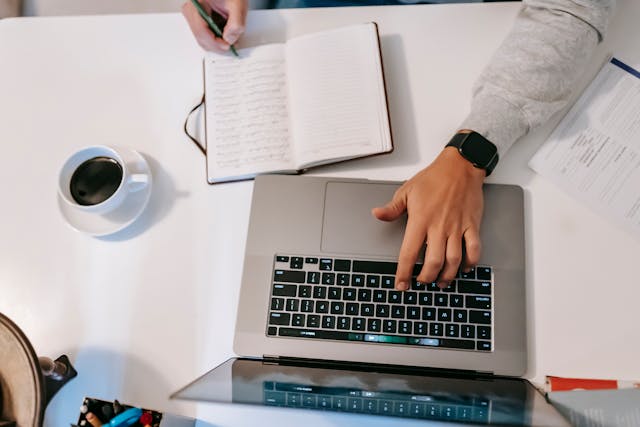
391,403
354,300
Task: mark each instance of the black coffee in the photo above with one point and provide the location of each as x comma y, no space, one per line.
95,180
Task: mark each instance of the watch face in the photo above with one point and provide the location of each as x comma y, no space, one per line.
476,149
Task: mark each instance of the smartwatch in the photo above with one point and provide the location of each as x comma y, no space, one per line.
477,149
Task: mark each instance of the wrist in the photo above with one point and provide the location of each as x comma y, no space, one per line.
453,157
475,149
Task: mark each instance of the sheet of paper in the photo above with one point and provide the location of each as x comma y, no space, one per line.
246,113
594,153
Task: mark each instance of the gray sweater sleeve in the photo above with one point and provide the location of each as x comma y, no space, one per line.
531,75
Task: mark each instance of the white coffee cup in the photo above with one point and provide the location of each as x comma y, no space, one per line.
130,182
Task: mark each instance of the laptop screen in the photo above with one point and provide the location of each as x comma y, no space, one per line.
384,391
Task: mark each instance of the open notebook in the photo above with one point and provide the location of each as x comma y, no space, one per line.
282,108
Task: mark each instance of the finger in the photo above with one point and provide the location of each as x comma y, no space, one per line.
452,259
236,21
412,243
433,259
473,249
204,36
392,210
93,420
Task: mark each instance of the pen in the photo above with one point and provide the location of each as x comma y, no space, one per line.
216,30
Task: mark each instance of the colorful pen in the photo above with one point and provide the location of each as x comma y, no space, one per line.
216,30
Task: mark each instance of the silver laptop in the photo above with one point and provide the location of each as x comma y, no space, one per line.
317,302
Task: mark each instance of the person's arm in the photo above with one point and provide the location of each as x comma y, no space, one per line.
234,11
529,78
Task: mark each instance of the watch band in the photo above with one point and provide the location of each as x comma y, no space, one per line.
484,154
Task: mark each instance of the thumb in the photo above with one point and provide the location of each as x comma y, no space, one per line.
392,210
236,21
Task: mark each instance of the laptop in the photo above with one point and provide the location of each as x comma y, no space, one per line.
320,325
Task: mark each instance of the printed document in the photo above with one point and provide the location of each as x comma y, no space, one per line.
594,153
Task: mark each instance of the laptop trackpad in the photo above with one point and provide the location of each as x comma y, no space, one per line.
350,228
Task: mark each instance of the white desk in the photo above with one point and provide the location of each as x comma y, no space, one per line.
149,309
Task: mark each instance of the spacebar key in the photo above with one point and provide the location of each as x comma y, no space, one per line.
325,335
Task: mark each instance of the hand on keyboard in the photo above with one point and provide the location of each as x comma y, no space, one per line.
444,204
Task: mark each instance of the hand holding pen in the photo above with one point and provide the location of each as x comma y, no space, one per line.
209,33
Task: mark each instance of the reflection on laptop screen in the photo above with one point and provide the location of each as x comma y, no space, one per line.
374,390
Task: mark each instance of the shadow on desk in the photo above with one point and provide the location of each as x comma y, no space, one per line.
163,196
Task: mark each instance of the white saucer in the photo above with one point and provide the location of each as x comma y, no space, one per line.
122,216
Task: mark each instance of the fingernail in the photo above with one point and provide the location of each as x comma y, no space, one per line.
443,284
466,270
90,416
402,286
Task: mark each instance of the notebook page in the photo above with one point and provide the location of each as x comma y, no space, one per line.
246,113
337,99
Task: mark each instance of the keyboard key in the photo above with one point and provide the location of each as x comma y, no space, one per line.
451,287
294,399
428,313
324,402
284,290
400,408
343,279
370,406
307,306
484,332
410,298
335,293
375,267
340,403
373,281
292,304
405,327
342,265
379,296
298,320
385,407
349,294
444,314
483,273
395,297
433,287
364,295
388,282
296,262
420,328
460,316
354,404
313,321
337,307
389,326
272,330
413,313
328,322
468,331
353,309
416,410
328,278
304,291
453,343
277,304
441,300
470,275
469,287
397,311
344,323
289,276
436,330
358,324
452,330
482,317
326,264
374,325
280,319
425,298
382,310
320,292
320,333
367,310
322,307
274,398
282,258
313,277
456,300
484,345
473,301
311,260
357,280
418,286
